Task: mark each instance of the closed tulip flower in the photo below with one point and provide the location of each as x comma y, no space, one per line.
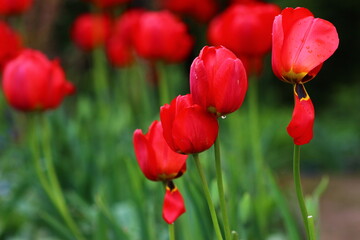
218,80
162,36
33,82
159,163
14,7
10,44
188,128
301,44
90,30
245,29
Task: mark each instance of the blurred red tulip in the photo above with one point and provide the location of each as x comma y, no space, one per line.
188,128
159,163
10,44
120,45
156,160
301,43
33,82
245,30
202,10
90,30
107,3
301,125
13,7
218,80
162,36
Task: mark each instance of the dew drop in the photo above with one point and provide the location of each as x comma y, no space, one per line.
223,117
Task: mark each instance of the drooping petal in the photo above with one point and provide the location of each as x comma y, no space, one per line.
174,205
301,125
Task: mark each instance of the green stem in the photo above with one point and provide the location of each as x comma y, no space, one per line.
208,197
298,187
257,152
163,84
311,228
52,183
220,185
171,231
99,73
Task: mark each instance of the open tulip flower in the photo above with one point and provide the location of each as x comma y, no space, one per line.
218,80
301,44
32,82
188,128
159,163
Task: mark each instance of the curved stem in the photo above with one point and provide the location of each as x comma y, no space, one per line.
220,185
208,197
172,231
298,187
57,195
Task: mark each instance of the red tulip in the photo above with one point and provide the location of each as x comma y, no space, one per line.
187,127
33,82
301,125
162,36
90,30
13,7
120,45
301,43
218,80
159,163
245,30
107,3
10,44
156,160
202,10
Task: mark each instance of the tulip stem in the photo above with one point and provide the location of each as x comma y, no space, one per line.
47,176
99,74
172,231
220,185
163,83
299,192
208,197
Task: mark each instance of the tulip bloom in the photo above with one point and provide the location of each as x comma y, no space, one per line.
188,128
218,80
120,45
162,36
13,7
10,44
245,29
301,44
159,163
33,82
202,10
90,30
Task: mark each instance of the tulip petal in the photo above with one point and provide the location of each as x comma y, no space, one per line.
174,205
301,125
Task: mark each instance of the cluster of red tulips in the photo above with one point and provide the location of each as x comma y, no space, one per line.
240,37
